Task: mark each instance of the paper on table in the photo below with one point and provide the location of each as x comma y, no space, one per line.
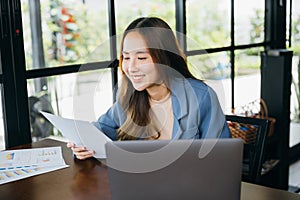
23,163
28,158
81,133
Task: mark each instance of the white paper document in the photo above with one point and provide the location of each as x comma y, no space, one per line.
23,163
82,133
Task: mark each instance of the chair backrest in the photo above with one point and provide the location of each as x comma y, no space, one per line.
253,131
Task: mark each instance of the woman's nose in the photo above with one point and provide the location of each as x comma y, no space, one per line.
132,66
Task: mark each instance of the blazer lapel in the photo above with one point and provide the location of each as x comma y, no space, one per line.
179,105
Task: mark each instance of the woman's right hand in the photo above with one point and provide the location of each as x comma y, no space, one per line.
80,152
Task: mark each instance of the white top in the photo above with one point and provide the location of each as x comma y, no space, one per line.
161,113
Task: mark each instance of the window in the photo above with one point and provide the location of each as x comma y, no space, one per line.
247,80
164,9
214,69
83,95
249,21
62,36
208,24
295,98
71,32
232,40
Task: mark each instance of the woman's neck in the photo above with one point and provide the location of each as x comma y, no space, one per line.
158,92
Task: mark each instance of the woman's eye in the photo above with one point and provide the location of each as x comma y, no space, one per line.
142,58
126,58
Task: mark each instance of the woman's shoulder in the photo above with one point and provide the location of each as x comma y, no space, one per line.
200,88
189,83
191,86
197,84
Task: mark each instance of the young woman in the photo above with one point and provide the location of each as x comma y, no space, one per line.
158,98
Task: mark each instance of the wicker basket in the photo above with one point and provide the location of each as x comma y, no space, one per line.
246,132
256,109
263,114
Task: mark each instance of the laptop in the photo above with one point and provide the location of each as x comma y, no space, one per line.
208,169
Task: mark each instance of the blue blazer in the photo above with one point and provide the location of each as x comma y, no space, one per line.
197,113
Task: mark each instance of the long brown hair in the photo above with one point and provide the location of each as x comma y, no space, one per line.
170,62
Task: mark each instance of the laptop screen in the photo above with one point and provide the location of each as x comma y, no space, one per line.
175,169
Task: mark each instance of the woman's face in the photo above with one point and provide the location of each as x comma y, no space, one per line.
138,64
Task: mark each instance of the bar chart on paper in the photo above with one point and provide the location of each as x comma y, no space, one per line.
19,164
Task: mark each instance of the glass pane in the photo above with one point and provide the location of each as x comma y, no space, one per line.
208,23
71,32
249,21
214,66
295,98
215,70
125,13
247,77
84,96
2,138
295,101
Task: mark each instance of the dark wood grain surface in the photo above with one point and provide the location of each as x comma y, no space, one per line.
82,180
88,180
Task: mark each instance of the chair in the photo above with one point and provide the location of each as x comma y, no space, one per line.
253,132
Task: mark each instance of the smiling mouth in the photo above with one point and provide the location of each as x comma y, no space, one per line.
137,77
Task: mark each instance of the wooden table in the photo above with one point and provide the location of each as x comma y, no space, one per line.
88,180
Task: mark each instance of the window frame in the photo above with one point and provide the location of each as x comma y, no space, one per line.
16,90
